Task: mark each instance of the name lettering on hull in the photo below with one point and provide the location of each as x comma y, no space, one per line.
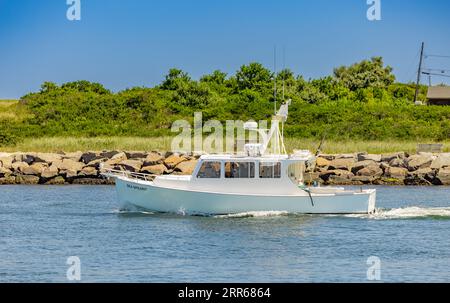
136,187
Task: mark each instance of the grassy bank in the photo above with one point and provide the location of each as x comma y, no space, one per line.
6,111
70,144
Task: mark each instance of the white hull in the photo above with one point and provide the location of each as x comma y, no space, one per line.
146,195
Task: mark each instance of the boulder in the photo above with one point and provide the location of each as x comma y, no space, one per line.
186,168
108,154
56,181
342,163
121,156
35,169
136,155
131,165
167,154
69,173
50,172
6,161
19,166
362,164
20,157
384,166
47,158
346,156
342,180
27,180
443,160
4,172
338,172
444,176
158,169
414,179
369,157
397,162
89,157
69,164
88,171
423,176
75,156
8,180
389,157
116,159
373,171
153,159
423,171
322,162
364,179
396,172
173,160
327,157
96,163
419,161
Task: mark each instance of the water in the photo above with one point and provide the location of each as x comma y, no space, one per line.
40,227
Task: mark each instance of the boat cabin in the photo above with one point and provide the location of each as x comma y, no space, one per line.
243,174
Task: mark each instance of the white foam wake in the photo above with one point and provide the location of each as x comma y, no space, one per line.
255,214
407,213
131,212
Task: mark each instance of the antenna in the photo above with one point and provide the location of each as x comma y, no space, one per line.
275,78
284,68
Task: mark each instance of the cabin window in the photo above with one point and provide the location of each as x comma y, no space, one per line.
270,170
209,170
239,170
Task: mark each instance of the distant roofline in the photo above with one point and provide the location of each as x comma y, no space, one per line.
438,92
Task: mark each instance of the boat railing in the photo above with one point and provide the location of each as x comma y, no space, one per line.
114,173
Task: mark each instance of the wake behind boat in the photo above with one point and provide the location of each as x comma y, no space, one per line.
255,180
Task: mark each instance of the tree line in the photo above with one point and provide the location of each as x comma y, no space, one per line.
362,101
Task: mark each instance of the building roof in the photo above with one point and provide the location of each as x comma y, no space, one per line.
438,92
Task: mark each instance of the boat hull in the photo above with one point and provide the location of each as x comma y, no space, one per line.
145,195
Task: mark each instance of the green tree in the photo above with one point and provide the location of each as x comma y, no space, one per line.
48,87
365,74
253,76
217,77
174,79
86,86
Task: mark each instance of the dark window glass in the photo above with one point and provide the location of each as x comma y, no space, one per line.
209,170
239,170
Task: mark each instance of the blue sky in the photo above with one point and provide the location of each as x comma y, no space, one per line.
125,43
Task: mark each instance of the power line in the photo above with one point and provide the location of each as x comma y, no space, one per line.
433,74
437,56
437,70
412,69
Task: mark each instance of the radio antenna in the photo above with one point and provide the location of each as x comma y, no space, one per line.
275,79
284,68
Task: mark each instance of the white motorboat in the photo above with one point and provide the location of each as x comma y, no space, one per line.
253,181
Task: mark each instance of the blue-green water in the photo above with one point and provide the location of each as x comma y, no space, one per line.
40,227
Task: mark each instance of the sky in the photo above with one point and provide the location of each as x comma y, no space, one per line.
127,43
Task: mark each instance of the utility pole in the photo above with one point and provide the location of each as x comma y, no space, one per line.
419,73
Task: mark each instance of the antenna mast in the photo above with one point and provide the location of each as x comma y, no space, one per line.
284,69
275,79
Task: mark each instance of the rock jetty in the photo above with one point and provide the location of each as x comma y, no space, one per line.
344,169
